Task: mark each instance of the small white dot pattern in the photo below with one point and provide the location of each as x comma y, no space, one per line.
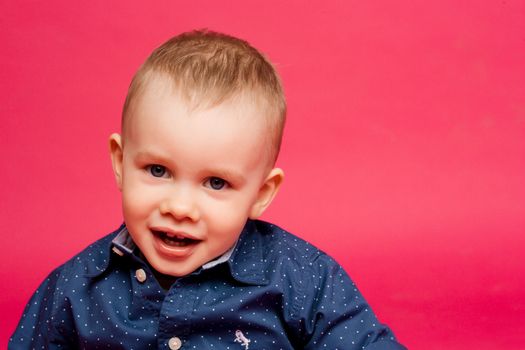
279,290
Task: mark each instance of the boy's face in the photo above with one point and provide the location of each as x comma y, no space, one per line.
190,179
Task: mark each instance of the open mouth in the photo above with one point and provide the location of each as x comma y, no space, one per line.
174,240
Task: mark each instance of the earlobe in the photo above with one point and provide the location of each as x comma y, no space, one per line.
267,192
115,150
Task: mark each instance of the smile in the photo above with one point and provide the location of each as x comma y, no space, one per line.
174,240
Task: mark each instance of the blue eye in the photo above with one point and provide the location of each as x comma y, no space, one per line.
216,183
157,170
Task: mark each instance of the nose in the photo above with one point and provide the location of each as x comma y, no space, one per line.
180,203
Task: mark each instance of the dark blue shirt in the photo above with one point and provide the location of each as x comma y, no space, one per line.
271,291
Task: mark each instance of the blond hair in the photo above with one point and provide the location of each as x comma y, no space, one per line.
209,68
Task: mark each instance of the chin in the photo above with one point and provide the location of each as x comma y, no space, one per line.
174,271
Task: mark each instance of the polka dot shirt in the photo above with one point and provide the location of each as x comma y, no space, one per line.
272,291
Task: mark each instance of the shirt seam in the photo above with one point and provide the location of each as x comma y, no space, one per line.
301,288
61,271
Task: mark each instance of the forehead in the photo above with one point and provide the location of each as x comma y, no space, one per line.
233,131
156,86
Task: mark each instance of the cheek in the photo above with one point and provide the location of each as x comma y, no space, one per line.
137,200
229,216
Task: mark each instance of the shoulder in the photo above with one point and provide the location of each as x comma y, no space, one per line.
279,244
48,315
299,267
323,308
310,280
90,261
72,277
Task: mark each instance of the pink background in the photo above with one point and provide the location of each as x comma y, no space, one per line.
404,151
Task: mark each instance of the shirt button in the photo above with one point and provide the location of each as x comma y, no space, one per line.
175,343
140,275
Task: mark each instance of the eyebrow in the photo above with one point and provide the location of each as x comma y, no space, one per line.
152,155
237,179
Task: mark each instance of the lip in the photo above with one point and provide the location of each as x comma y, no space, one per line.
169,251
171,232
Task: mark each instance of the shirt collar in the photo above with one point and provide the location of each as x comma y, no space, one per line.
123,243
245,258
247,263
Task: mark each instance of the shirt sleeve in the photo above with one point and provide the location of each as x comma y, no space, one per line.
334,315
37,328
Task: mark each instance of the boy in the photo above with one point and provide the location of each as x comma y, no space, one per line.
192,267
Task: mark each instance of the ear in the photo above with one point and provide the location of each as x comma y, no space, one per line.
115,150
267,192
